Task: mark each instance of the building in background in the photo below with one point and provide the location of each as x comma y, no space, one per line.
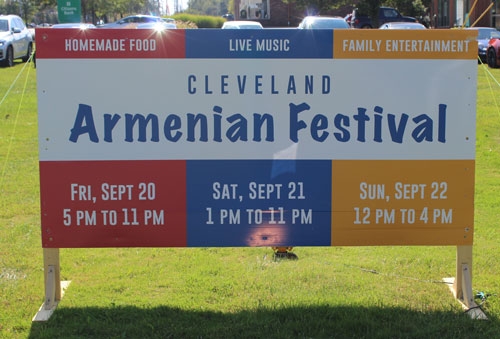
276,13
452,13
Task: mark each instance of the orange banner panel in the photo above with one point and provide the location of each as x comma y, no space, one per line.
402,202
404,44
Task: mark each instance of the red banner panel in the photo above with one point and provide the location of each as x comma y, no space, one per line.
113,203
64,43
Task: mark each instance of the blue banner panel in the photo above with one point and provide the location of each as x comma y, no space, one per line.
259,43
258,203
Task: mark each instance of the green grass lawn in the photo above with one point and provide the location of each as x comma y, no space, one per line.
238,292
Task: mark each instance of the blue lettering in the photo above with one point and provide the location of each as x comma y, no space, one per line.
258,122
191,89
442,123
340,120
172,123
309,84
109,124
193,120
397,133
223,84
84,113
424,129
130,121
258,84
361,118
326,84
291,85
319,123
295,124
238,130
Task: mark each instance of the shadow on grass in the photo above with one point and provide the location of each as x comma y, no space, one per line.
301,321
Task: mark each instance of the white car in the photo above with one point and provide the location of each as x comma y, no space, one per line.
402,25
141,21
15,40
323,22
242,25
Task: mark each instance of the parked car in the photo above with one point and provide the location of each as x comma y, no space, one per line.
322,22
158,26
484,35
402,25
228,17
74,25
348,18
133,21
493,53
385,14
242,25
15,40
31,29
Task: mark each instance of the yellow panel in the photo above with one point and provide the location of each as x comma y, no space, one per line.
402,202
404,44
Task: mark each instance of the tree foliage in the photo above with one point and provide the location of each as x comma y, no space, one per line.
316,7
414,8
371,8
92,10
208,7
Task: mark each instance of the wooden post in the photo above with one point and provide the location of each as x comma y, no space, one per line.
464,257
54,288
461,285
52,277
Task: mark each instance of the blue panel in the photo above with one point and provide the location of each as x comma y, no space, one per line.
258,203
259,43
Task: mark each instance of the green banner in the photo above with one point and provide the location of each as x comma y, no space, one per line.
69,11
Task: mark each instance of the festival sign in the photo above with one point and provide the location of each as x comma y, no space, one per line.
256,138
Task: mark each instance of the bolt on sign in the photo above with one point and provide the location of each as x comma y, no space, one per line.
256,138
69,11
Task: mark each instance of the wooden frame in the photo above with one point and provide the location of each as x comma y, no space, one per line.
54,288
461,284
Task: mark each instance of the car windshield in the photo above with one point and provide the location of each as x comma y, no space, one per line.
4,26
484,34
249,27
328,24
150,19
409,26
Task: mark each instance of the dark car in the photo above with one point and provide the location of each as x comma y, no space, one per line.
484,35
385,14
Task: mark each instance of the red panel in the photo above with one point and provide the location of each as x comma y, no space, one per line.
148,197
109,43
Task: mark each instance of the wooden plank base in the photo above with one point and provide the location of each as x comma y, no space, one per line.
45,314
474,313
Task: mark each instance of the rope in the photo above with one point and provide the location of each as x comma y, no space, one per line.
491,90
487,71
13,83
397,276
15,124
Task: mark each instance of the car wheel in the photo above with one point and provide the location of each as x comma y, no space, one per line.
492,58
9,57
28,53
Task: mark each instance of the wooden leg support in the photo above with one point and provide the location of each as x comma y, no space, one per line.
461,285
54,288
